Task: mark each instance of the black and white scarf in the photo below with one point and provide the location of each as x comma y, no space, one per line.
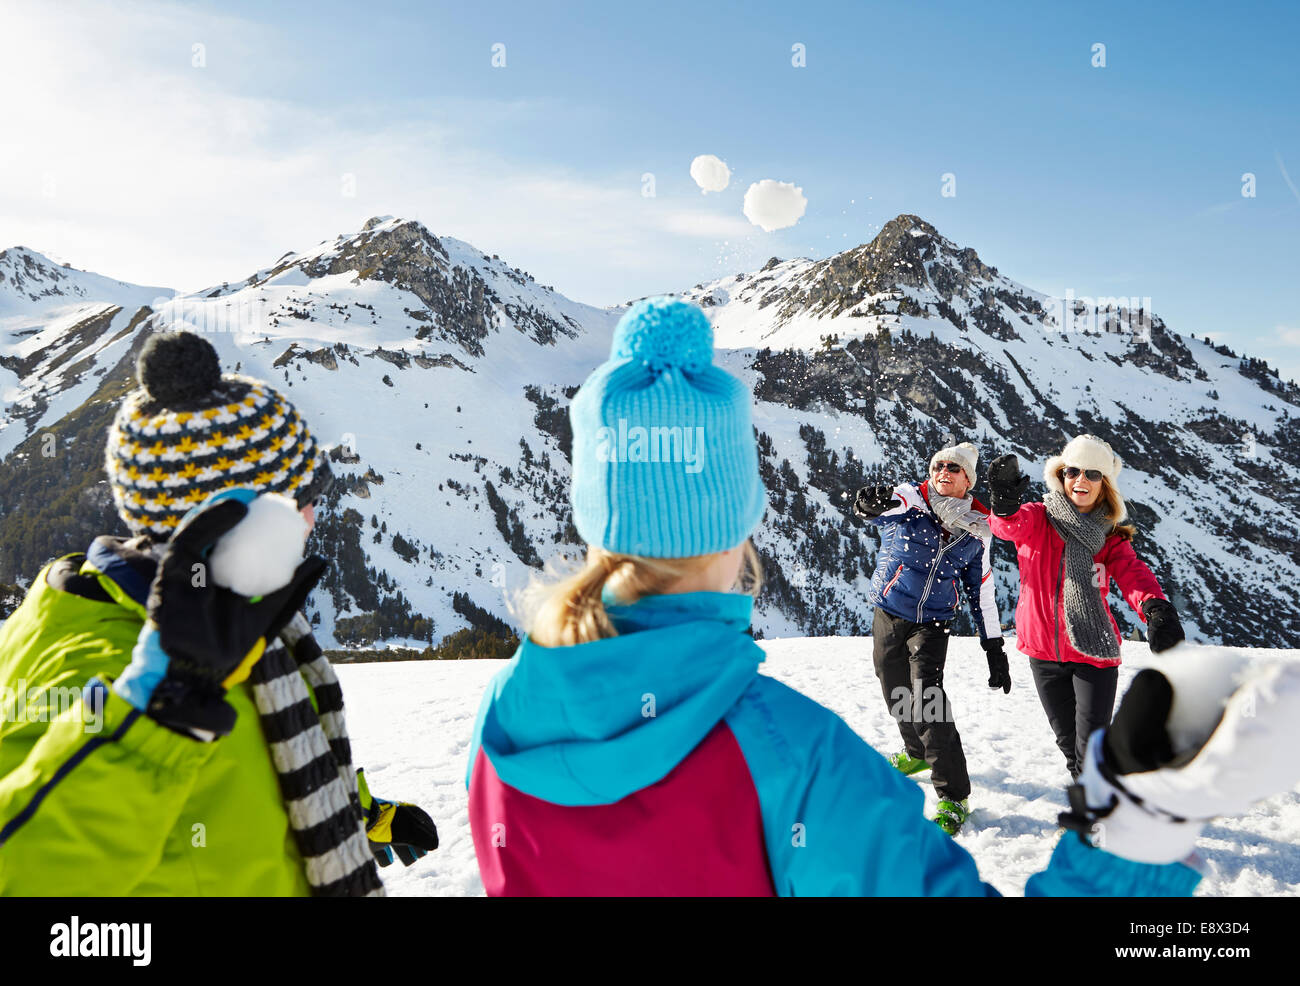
312,755
1086,619
309,749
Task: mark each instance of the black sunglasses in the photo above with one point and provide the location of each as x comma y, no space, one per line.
950,466
1072,472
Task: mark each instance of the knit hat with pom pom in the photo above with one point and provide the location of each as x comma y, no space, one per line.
665,463
189,431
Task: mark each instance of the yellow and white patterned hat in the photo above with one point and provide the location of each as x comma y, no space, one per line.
189,431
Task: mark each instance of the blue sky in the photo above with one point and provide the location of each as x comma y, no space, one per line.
136,154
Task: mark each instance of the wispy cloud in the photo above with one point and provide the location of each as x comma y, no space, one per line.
1285,177
137,162
1218,209
709,225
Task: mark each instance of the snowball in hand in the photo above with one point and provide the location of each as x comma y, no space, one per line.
710,173
774,204
260,553
1202,679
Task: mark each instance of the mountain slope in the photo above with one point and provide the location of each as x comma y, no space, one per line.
407,353
59,328
441,377
909,342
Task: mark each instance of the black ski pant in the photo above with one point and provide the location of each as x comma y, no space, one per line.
909,661
1078,699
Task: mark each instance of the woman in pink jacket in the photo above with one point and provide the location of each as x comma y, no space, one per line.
1070,546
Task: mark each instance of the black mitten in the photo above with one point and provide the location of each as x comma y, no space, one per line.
872,501
999,671
1006,485
206,631
1163,626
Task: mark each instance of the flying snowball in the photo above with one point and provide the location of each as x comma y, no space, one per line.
710,173
260,554
774,204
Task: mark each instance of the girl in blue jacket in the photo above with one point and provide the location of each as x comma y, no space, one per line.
631,745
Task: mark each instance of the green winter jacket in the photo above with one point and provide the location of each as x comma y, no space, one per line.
122,805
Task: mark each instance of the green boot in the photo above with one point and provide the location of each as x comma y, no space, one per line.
952,815
907,764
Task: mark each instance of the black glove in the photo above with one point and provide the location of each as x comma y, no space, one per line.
999,672
395,828
1163,627
1138,737
206,631
1006,485
872,501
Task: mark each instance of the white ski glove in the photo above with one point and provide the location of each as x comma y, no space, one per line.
1201,732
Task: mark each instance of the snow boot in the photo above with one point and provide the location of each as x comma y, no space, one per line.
952,815
907,764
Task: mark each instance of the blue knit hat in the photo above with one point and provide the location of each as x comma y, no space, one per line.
664,459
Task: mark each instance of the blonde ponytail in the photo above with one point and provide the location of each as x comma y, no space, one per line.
565,607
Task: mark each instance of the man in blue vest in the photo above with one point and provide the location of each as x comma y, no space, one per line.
932,535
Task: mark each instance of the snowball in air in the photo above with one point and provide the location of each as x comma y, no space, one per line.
774,204
260,554
710,173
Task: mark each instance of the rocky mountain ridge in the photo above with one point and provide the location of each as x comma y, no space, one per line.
440,377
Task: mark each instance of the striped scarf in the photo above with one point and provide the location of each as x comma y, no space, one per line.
313,758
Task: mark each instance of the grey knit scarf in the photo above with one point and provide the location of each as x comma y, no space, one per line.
1086,619
313,758
959,514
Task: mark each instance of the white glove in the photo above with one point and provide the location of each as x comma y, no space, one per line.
1202,732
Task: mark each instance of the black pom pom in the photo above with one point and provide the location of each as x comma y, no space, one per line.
178,368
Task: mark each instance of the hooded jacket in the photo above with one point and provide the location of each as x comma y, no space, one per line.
1040,611
661,762
82,781
919,565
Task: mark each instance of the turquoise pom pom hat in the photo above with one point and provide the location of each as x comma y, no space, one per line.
665,464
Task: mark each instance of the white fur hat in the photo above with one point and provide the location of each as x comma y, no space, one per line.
1086,452
965,454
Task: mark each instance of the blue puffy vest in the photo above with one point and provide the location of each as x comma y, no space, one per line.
917,568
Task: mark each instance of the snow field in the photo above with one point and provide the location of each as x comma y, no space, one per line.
411,724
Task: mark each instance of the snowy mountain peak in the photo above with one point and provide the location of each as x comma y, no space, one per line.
441,376
907,255
24,271
911,271
909,247
392,283
31,283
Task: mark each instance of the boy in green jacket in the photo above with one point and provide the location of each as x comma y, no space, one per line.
163,735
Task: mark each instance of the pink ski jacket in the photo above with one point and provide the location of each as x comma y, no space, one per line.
1040,611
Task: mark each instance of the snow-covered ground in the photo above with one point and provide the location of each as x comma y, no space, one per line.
411,723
